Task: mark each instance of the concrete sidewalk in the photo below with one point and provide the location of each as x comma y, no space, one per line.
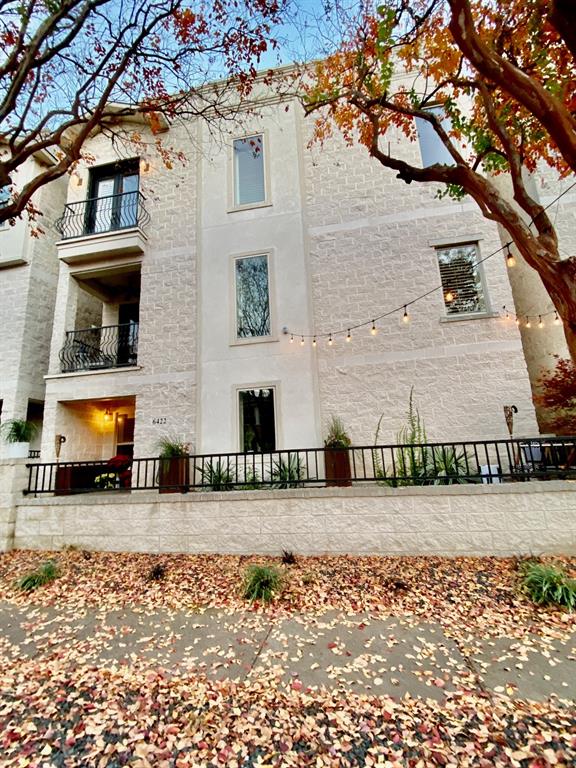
360,653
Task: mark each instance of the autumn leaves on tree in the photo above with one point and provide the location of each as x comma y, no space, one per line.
71,67
504,76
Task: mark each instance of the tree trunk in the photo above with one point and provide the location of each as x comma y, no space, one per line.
560,282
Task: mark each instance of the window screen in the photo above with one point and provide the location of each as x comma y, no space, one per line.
252,297
249,171
257,422
431,147
461,279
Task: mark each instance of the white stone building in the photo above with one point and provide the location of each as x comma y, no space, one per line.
175,287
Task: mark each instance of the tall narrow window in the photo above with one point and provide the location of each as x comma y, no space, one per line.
461,279
249,185
432,148
252,297
257,422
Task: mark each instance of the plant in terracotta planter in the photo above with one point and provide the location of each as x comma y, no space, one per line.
337,454
174,466
18,433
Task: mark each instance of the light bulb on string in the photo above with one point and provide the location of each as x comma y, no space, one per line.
449,296
510,258
528,323
330,342
507,313
540,322
405,316
517,320
302,341
291,338
373,330
348,336
557,320
314,341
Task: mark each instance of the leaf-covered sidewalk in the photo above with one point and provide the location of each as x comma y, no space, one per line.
362,661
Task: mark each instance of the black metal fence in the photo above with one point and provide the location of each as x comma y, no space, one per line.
485,461
103,214
112,346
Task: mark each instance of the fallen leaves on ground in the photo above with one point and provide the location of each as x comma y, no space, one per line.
466,595
81,692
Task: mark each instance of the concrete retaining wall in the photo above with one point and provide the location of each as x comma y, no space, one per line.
512,518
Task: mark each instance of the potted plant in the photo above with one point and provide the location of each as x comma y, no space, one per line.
337,454
174,466
18,433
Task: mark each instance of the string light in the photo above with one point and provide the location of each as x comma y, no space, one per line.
314,341
510,258
302,341
449,296
540,322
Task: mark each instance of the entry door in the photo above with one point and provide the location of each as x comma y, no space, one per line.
103,205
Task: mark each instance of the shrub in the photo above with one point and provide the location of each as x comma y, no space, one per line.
217,476
171,446
44,574
251,482
547,584
157,572
288,557
261,582
288,473
18,431
337,436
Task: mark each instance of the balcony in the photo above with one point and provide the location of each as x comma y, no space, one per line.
93,349
112,225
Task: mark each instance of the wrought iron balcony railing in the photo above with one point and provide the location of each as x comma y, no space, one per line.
103,214
112,346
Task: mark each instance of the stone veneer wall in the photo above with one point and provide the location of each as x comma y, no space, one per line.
511,518
372,245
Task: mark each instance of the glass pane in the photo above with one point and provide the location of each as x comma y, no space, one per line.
249,171
431,147
103,205
252,297
461,279
128,213
257,427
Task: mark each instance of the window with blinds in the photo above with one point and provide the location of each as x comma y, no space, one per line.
462,285
249,184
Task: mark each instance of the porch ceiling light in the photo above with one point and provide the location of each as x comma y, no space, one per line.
108,416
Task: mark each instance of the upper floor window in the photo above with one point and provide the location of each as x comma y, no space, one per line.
432,148
252,296
249,177
462,283
113,196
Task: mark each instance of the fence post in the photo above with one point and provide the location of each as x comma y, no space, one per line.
13,480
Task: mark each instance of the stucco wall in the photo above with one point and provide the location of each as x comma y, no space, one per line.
512,518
